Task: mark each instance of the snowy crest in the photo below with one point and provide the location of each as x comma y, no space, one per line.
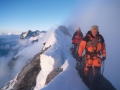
57,66
58,57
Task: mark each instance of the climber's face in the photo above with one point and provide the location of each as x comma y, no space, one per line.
94,32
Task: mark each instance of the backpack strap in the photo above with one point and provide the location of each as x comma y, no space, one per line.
92,43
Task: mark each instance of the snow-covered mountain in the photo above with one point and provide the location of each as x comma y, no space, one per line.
30,33
47,65
10,42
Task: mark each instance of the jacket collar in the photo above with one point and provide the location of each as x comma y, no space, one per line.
90,34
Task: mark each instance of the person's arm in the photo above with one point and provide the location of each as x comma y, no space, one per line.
104,50
82,46
103,47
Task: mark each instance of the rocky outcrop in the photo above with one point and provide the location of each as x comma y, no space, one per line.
64,30
26,34
26,79
12,62
35,41
52,75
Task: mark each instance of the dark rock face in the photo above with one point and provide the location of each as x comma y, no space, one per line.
12,62
43,31
35,41
26,34
65,30
26,79
53,74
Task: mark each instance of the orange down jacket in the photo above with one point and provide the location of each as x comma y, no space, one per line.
92,52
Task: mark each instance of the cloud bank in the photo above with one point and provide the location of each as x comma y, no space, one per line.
105,14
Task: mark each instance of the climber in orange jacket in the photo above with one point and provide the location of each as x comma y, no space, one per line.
94,45
76,39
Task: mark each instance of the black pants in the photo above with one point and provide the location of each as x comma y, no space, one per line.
74,52
94,78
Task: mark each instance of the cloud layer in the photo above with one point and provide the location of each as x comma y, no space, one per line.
105,14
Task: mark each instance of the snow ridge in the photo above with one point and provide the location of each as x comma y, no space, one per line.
59,56
56,57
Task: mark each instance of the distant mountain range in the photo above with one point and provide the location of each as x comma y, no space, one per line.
11,41
30,34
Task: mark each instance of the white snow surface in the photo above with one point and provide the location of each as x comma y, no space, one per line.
59,56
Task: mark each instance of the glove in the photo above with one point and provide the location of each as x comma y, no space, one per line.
103,58
86,71
79,59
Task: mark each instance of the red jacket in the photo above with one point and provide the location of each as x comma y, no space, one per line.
77,37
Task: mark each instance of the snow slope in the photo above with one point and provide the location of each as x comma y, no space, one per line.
56,57
59,56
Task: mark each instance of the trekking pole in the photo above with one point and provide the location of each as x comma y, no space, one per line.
102,67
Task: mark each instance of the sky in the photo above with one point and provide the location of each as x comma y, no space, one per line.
23,15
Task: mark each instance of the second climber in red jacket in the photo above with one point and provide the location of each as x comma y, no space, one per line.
76,39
